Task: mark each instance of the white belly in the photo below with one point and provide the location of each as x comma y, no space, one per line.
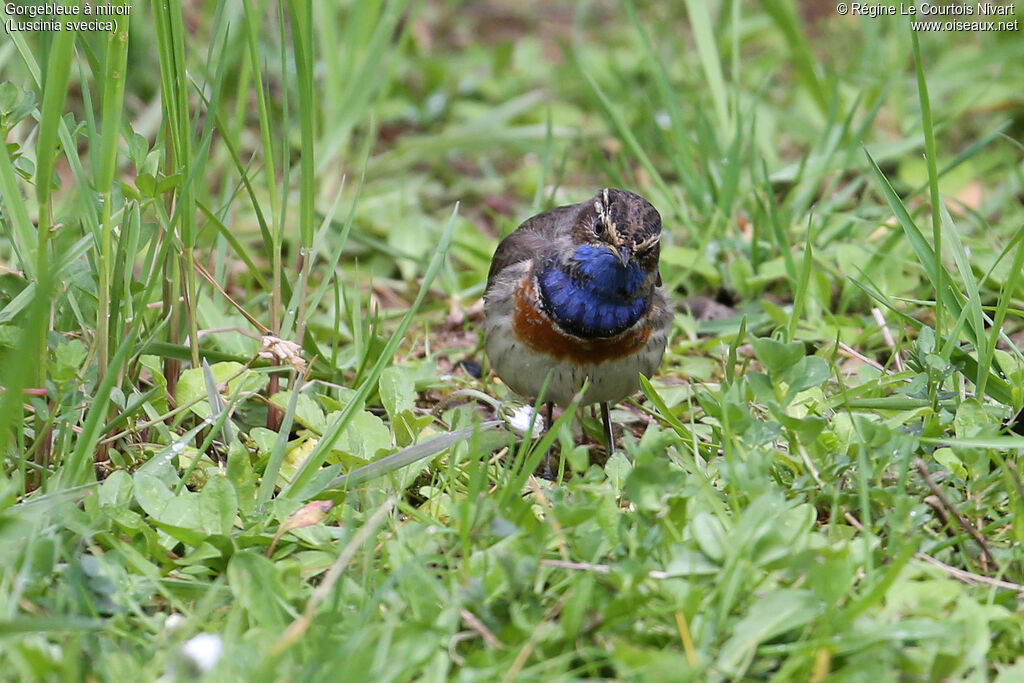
525,371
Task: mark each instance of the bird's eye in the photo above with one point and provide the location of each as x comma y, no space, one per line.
599,227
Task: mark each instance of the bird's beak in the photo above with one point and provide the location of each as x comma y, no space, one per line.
624,253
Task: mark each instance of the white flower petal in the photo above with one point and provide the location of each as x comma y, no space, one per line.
204,650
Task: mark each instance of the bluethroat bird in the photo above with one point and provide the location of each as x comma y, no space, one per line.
575,293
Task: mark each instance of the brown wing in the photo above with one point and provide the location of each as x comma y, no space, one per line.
532,237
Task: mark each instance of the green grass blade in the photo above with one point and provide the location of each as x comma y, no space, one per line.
319,454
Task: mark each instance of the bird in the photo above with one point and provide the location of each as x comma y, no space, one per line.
575,294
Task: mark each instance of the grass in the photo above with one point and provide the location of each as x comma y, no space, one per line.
242,247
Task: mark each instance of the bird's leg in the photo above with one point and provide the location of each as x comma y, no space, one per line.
606,418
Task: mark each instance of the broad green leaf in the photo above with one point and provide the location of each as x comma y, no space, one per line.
116,490
307,412
947,458
777,356
178,515
365,436
648,483
407,427
769,616
687,561
809,371
192,387
217,505
577,606
15,104
710,535
257,586
397,390
68,358
240,473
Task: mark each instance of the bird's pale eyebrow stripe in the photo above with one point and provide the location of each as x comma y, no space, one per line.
648,243
603,208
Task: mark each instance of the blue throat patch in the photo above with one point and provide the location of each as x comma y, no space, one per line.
602,301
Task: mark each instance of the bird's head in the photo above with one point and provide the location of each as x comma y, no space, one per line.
617,238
